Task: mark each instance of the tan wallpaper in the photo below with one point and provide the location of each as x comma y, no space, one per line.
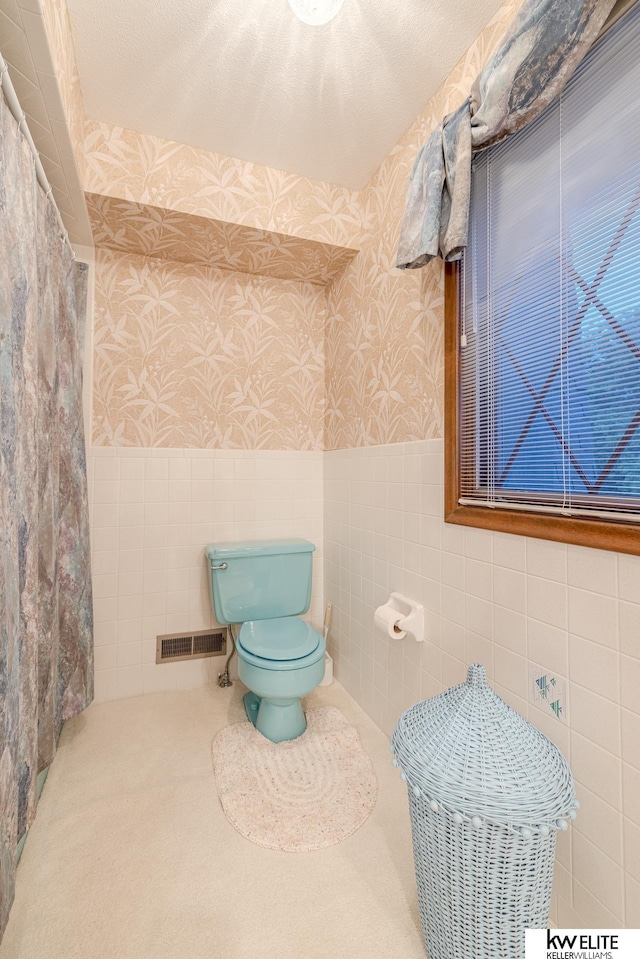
383,339
146,169
189,356
152,231
165,375
384,348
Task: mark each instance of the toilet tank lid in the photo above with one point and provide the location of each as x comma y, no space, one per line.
258,547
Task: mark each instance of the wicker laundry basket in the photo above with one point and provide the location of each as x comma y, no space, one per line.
487,794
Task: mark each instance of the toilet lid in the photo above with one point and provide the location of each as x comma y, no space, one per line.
284,638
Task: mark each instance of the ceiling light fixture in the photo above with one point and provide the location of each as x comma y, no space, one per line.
315,12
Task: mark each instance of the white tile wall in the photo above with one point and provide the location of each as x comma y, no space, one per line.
505,601
152,514
34,70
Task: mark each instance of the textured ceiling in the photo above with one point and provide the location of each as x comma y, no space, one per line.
246,78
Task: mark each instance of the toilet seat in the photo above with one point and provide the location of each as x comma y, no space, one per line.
286,637
282,643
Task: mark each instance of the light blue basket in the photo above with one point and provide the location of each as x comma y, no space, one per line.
487,794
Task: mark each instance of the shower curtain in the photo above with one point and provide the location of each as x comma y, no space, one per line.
46,620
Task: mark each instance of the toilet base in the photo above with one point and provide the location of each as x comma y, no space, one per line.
277,719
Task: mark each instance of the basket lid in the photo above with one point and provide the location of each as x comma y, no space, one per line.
468,751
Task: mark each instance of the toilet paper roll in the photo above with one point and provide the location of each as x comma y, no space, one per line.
387,618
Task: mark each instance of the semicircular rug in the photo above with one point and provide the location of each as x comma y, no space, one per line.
299,795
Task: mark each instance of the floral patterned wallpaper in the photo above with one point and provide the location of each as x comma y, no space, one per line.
147,169
384,341
189,356
152,231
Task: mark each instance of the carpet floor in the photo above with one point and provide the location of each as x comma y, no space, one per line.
131,856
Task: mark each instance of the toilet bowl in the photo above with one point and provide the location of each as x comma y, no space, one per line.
265,586
280,661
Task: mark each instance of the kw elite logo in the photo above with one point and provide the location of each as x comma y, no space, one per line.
582,944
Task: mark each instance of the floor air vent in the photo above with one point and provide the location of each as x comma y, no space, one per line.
178,646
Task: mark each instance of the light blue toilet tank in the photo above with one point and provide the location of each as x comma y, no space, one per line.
260,579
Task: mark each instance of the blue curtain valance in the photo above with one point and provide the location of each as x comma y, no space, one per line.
547,41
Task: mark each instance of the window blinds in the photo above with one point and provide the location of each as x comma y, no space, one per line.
550,301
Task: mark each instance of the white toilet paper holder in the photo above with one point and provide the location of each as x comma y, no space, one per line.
412,613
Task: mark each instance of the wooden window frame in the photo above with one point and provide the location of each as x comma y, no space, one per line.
623,536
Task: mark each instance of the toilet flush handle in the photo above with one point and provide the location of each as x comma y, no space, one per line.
221,566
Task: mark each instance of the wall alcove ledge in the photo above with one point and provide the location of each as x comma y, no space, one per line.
128,227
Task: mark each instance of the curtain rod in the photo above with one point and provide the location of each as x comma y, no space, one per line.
14,105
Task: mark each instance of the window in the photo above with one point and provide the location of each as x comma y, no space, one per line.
543,318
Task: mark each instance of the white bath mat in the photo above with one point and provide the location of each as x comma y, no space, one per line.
299,795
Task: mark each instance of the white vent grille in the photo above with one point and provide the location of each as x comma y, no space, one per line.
178,646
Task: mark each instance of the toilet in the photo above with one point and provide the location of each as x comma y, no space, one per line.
266,585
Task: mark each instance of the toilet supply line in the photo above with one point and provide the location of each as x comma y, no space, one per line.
224,680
